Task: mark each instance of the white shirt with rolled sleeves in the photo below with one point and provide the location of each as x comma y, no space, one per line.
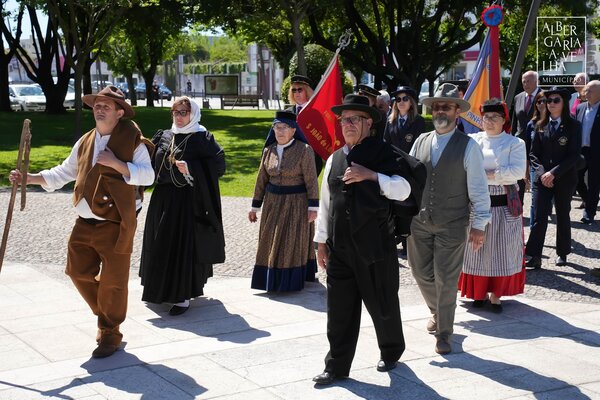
141,172
477,185
393,187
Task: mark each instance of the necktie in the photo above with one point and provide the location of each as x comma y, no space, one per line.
553,126
402,122
298,109
528,102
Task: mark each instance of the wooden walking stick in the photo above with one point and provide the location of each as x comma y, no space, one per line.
23,166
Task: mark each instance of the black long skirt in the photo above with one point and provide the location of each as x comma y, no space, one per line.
169,268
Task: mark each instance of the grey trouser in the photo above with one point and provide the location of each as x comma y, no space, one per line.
435,255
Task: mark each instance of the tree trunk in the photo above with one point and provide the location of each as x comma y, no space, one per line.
149,79
130,85
4,97
299,43
77,132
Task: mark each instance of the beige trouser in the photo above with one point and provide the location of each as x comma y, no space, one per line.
435,255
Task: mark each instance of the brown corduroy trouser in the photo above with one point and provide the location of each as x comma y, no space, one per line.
89,246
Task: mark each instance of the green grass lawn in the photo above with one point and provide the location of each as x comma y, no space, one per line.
240,132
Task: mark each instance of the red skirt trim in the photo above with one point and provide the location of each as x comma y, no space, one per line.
477,287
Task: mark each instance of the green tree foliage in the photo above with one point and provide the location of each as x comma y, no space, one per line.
155,29
399,42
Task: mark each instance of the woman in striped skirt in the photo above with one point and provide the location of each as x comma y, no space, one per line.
496,269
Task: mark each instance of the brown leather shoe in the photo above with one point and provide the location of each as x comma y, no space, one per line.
432,324
104,350
442,346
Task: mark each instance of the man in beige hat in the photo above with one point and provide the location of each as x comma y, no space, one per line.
108,165
456,180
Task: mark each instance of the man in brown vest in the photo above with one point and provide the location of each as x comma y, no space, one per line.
108,164
455,179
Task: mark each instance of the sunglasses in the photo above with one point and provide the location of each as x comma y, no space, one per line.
541,101
353,120
297,90
554,100
181,113
403,98
445,107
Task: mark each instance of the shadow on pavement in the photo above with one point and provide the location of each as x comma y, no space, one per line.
125,373
210,318
547,325
513,376
312,297
404,384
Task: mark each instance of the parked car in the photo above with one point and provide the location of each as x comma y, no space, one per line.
124,87
70,97
28,97
163,92
99,85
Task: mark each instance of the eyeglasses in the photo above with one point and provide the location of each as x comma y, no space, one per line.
403,98
554,100
541,101
353,120
281,127
492,118
442,107
297,90
181,113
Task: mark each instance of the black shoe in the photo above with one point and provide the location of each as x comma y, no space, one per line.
496,308
561,261
178,310
402,252
384,366
534,263
478,303
325,378
581,205
586,220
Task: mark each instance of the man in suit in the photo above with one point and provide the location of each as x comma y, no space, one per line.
522,111
588,115
579,82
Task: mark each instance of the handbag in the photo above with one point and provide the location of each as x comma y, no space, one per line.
513,201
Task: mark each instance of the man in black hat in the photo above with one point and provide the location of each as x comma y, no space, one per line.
107,164
372,94
356,243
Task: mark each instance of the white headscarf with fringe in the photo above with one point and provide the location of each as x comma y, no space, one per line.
194,124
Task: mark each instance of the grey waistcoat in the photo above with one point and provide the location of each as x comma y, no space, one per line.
445,196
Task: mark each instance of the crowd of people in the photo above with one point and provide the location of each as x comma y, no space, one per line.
466,234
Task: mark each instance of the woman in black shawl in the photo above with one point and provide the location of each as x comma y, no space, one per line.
183,236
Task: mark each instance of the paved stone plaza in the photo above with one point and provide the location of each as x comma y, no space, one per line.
238,343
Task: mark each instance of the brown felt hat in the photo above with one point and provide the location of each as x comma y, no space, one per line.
113,93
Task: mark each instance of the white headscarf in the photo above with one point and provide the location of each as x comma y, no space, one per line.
194,124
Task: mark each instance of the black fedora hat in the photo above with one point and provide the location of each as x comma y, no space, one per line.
358,103
301,79
405,89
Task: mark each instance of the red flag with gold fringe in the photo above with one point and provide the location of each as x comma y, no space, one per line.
316,120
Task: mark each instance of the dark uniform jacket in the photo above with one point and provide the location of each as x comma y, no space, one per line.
404,137
558,153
